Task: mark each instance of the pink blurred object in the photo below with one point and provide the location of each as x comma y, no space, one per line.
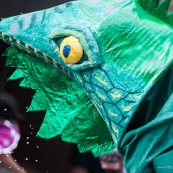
9,137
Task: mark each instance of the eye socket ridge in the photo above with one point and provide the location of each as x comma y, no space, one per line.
67,48
91,54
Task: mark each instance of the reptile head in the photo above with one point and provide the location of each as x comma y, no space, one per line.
41,33
102,30
115,51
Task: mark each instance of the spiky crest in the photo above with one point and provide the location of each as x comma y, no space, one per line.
69,112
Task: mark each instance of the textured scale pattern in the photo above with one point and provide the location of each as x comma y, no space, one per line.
114,102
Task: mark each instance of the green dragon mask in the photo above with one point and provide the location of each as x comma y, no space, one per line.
122,48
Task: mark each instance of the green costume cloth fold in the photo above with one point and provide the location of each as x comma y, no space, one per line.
150,132
163,163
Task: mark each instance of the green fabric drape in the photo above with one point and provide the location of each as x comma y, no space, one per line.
150,132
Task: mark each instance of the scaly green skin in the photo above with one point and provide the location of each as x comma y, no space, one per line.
127,49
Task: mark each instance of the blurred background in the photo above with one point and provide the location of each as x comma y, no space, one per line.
37,155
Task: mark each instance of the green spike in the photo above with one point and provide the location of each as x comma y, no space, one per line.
77,132
65,104
13,59
85,138
39,102
18,74
26,83
13,63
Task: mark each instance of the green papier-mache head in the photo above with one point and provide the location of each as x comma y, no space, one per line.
125,46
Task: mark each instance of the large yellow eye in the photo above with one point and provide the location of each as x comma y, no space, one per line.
71,50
